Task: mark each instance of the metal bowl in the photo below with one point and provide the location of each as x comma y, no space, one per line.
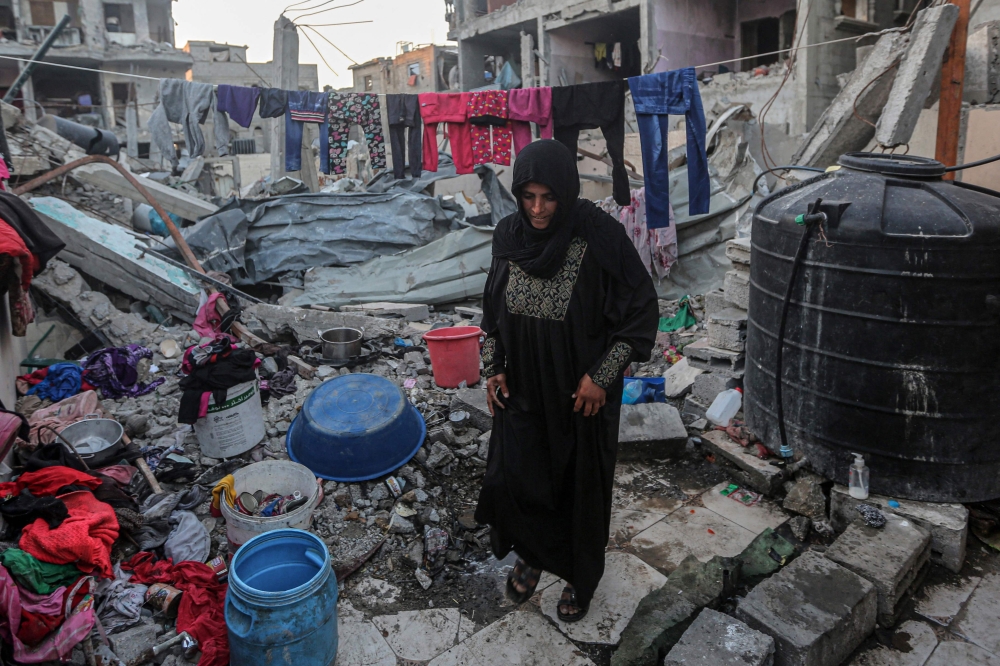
98,441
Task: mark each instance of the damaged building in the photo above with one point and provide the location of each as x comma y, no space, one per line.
414,69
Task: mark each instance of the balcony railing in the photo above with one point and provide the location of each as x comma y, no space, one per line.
68,37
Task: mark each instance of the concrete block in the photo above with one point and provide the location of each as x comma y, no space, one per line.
948,524
916,74
650,431
473,400
745,467
737,289
892,558
406,311
715,301
702,354
982,65
817,611
709,385
718,639
679,378
131,643
694,407
806,497
728,329
738,252
839,130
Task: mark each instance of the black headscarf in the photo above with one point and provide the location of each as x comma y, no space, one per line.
541,252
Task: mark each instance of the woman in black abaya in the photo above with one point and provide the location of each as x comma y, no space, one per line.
567,306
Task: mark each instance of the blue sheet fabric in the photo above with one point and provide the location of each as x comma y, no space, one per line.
306,107
63,381
657,96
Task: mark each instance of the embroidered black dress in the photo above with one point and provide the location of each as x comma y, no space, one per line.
547,489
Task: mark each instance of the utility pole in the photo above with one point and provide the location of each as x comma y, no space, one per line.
952,78
285,76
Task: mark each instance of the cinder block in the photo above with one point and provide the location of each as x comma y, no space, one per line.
718,639
715,301
649,431
738,252
737,289
703,355
728,329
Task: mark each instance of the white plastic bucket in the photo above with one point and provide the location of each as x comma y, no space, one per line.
235,426
272,476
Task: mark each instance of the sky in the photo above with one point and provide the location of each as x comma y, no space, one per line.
251,23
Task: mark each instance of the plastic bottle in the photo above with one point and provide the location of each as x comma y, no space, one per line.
858,480
725,406
632,392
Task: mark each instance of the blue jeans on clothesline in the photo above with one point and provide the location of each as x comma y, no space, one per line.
305,101
656,97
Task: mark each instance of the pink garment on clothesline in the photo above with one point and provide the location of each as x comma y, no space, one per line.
530,105
60,643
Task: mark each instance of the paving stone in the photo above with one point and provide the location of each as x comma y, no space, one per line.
817,611
912,643
892,557
360,643
130,643
806,497
626,580
679,378
626,524
728,329
947,523
690,531
746,468
708,386
756,518
652,430
473,401
737,288
702,354
942,603
517,639
978,621
664,614
423,635
955,653
718,639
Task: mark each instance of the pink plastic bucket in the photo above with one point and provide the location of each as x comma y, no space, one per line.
454,355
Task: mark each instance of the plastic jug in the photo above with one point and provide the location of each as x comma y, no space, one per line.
725,406
632,392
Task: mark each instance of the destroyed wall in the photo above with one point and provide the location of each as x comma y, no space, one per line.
691,33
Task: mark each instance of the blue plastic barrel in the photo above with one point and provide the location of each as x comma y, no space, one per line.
281,607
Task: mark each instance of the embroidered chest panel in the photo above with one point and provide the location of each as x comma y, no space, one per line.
545,298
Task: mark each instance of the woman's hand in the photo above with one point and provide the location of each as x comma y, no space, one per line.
589,396
492,384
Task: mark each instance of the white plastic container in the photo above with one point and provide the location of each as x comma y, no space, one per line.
725,406
235,426
858,478
272,476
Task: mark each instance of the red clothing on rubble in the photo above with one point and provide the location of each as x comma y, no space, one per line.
84,538
202,609
47,481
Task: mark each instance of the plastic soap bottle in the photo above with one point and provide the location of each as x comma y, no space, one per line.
858,481
725,406
632,392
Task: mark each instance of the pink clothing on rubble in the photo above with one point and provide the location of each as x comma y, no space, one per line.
57,646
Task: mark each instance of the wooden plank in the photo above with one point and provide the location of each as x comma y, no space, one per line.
952,80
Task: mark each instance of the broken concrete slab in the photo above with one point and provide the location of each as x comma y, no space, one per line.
679,378
943,602
504,642
839,130
982,65
947,523
916,640
919,68
423,635
626,581
718,639
405,311
708,386
978,621
361,644
728,329
650,430
662,617
746,468
702,354
695,408
131,643
952,653
107,252
715,301
737,288
273,321
766,554
755,517
817,611
738,251
473,401
806,497
893,558
690,531
172,200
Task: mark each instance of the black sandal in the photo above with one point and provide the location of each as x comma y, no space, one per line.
527,578
570,603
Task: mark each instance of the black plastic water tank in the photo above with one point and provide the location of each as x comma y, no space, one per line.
892,341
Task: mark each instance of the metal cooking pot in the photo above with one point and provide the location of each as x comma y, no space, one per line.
98,441
340,344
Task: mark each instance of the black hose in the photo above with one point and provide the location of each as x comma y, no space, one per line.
810,220
973,164
784,168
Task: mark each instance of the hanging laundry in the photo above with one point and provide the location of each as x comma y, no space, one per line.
508,78
115,371
84,539
657,96
239,102
657,247
186,103
453,109
273,102
589,106
63,380
35,575
600,55
305,107
491,131
202,608
404,116
17,266
220,126
57,646
346,109
616,55
530,105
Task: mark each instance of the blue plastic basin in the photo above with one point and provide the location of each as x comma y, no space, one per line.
354,428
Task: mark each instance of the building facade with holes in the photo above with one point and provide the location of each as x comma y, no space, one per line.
426,68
